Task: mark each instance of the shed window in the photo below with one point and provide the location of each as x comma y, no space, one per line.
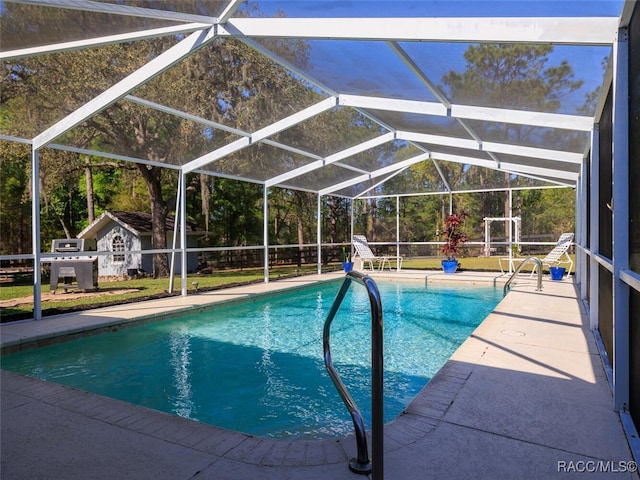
117,245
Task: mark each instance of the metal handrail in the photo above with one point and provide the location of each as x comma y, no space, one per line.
362,464
538,262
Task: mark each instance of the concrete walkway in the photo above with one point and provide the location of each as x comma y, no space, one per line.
525,396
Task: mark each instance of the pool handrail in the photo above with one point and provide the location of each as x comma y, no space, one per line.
362,464
517,270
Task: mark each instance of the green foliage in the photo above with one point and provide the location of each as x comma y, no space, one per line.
420,218
336,218
511,75
236,213
230,83
15,202
548,211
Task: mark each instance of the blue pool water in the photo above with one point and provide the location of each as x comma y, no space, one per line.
257,367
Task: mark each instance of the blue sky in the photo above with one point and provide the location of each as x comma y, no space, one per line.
362,67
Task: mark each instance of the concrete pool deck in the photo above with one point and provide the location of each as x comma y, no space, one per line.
526,396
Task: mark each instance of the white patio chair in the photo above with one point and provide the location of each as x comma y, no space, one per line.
558,255
368,257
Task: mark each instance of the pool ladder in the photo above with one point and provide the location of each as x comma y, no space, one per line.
526,260
362,464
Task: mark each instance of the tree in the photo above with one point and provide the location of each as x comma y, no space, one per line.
248,90
510,76
15,204
43,89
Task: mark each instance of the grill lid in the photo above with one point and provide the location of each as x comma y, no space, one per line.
67,245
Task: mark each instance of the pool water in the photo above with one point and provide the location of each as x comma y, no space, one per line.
257,367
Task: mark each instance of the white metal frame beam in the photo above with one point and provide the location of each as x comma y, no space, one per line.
112,156
543,153
442,140
187,116
497,115
559,30
261,134
520,117
621,219
556,155
376,173
355,101
543,172
361,147
479,190
216,125
418,72
102,41
393,104
508,167
155,67
433,88
229,10
118,9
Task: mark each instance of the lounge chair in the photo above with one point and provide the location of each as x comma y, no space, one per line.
559,256
368,257
509,264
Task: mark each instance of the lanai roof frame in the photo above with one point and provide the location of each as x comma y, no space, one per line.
390,31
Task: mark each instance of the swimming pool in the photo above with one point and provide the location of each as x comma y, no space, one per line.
257,367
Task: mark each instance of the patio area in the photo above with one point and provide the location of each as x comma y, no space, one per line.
526,396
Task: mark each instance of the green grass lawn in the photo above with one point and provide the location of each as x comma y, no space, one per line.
147,288
136,289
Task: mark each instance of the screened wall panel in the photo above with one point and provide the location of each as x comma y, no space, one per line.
634,356
634,141
605,215
587,173
605,309
634,212
587,266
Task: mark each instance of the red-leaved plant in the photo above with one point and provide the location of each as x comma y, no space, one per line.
453,234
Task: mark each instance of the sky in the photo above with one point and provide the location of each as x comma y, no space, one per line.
367,68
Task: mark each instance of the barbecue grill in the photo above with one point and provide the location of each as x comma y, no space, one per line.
68,266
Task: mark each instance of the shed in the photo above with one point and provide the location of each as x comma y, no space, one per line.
131,232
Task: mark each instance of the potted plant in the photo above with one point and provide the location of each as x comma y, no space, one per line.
454,238
347,264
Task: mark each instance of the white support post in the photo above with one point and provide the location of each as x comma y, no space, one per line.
398,233
620,148
594,226
581,214
319,236
487,237
511,269
183,232
35,233
172,263
352,221
265,231
578,223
